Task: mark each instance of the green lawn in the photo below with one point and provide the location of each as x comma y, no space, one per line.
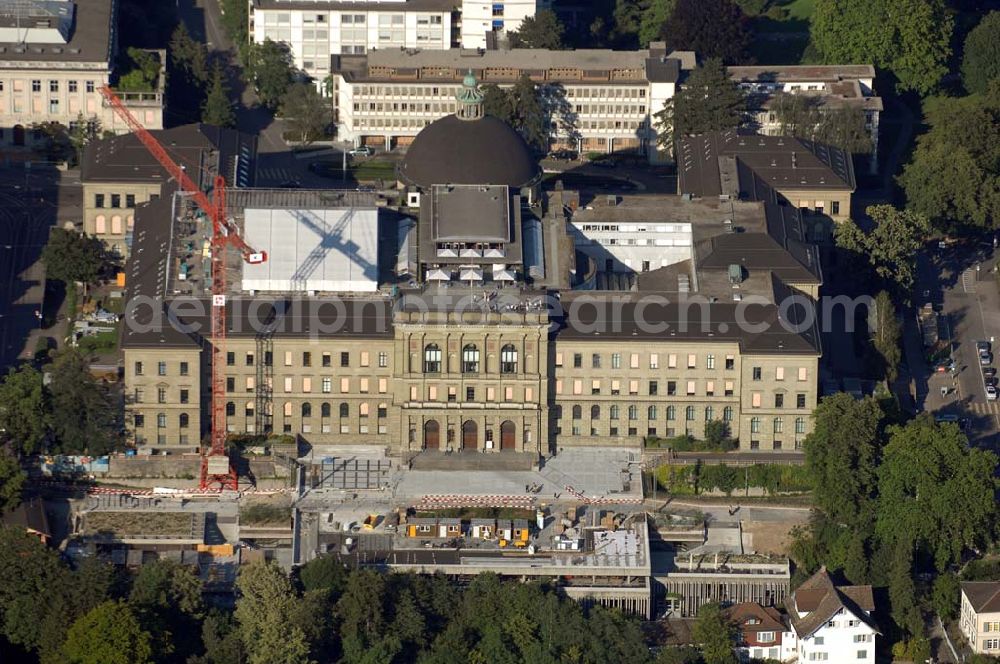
373,169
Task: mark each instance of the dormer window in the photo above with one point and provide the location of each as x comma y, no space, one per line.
765,637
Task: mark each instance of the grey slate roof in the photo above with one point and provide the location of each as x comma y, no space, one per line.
90,41
983,595
454,151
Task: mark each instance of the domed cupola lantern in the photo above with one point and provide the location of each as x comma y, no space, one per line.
470,99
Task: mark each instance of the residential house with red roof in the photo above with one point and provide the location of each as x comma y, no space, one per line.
833,623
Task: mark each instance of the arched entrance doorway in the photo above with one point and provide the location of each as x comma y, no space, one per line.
507,436
19,135
470,435
432,435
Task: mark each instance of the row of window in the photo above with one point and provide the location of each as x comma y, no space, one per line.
325,358
139,395
326,384
183,368
451,394
54,86
183,420
470,359
114,201
447,92
306,409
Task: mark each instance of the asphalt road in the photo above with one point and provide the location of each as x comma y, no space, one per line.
29,205
969,301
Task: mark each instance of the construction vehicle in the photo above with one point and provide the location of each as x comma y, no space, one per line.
217,470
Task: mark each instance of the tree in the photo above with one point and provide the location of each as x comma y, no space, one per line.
803,117
715,635
497,102
981,55
651,20
708,101
24,410
12,478
324,573
108,634
679,655
83,415
82,132
266,600
189,56
543,30
935,492
886,334
717,434
911,38
218,107
307,113
167,598
946,596
221,639
951,177
711,28
521,107
271,68
142,71
891,246
70,257
842,454
903,592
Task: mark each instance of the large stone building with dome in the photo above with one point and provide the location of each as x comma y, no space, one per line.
481,312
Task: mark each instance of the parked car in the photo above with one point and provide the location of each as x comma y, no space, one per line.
985,358
563,155
983,347
363,151
947,364
989,372
989,380
604,163
991,393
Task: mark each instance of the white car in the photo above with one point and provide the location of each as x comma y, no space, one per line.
991,393
363,151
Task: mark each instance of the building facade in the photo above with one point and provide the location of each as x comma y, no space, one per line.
979,618
316,30
481,21
53,71
597,100
832,623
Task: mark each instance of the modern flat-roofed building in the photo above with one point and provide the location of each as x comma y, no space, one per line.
829,87
119,174
599,100
316,29
54,57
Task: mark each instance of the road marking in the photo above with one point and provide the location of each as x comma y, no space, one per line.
969,281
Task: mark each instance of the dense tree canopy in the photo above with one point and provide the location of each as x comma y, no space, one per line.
543,30
24,410
12,479
711,28
521,107
83,414
935,491
952,177
715,635
708,101
842,453
886,334
108,634
890,246
271,67
70,256
981,54
189,56
910,38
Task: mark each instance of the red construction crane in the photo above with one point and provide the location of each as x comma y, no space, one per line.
217,472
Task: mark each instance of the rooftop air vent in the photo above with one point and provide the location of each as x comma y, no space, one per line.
735,274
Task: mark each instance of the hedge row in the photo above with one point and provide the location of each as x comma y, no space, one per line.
699,478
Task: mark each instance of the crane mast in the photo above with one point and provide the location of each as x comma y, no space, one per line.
216,470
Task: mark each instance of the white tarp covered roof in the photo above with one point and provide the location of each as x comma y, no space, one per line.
312,250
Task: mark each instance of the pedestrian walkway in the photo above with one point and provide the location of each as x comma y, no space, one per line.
987,408
275,175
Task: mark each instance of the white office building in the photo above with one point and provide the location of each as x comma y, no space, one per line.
482,19
598,100
317,29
